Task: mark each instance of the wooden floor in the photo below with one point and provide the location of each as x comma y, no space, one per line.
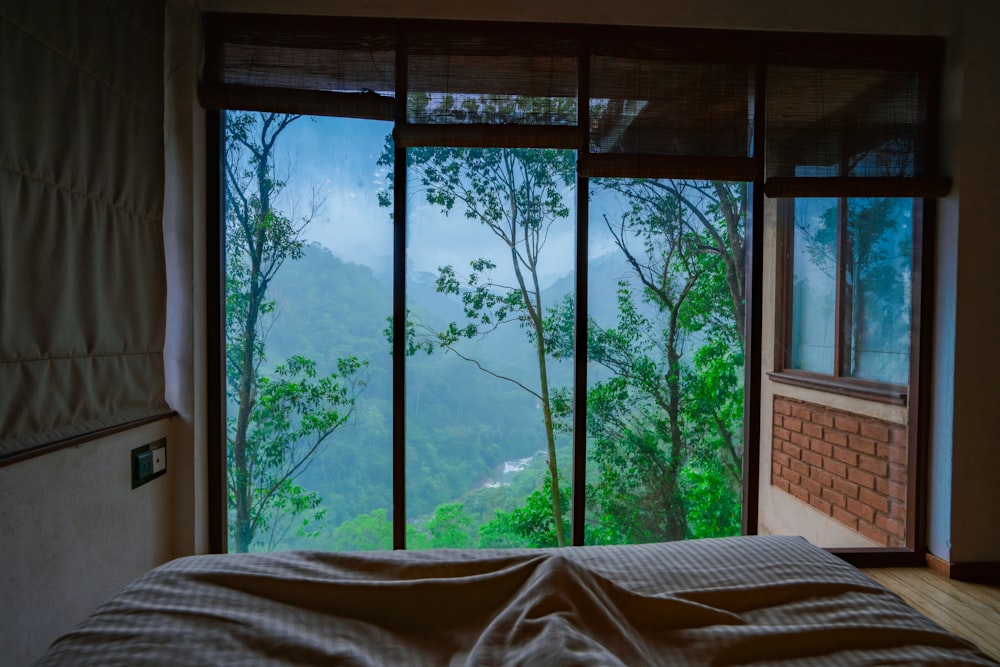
971,611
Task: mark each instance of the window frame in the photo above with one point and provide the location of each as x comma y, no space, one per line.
836,382
923,54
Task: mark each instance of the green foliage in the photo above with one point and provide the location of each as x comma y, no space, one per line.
529,526
365,532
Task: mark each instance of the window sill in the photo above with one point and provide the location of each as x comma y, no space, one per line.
881,393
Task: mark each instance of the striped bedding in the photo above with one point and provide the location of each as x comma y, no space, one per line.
727,601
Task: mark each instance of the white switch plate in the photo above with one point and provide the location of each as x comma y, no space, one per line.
159,458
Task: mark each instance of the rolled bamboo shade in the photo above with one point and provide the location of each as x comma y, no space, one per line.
315,65
497,75
826,122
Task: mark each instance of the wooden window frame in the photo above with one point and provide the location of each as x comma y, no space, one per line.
805,49
837,382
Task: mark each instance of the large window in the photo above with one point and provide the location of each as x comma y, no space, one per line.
504,289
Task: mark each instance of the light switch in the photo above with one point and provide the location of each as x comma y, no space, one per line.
159,457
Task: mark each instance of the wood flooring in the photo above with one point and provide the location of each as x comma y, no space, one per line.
971,611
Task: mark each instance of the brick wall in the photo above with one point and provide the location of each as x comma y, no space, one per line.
848,466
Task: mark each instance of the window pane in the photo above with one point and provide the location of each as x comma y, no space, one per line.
665,352
309,376
490,267
880,233
814,285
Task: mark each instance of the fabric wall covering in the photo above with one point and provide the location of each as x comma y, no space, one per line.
82,278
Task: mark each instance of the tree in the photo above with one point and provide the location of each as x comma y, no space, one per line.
281,419
667,424
517,194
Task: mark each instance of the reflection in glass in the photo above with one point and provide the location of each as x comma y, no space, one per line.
878,277
814,285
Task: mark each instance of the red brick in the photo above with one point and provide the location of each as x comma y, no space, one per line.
776,469
872,499
862,478
820,447
782,407
845,518
861,444
835,467
781,434
792,476
889,525
800,467
873,533
793,424
822,418
835,438
897,491
811,485
849,489
782,458
781,484
875,430
820,504
778,420
897,473
892,453
835,497
821,476
812,458
800,493
812,430
897,510
845,456
793,451
860,509
849,424
800,440
897,436
873,465
802,412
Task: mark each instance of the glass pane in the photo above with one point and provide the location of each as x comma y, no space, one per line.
814,285
309,376
666,358
880,233
490,262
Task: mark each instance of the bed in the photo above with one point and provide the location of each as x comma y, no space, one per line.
728,601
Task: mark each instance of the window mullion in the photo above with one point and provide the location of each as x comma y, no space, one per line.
843,308
399,311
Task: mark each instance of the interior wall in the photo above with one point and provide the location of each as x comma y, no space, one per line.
184,241
73,532
975,498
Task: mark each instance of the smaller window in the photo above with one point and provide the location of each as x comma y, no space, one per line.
849,273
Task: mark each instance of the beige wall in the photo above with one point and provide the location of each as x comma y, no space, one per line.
73,531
